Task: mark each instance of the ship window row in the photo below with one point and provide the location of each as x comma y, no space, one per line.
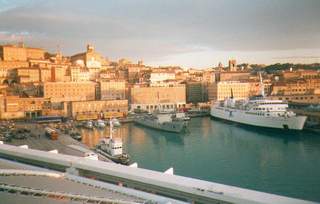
266,103
297,98
260,114
263,108
268,109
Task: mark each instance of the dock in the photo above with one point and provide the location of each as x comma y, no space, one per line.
65,144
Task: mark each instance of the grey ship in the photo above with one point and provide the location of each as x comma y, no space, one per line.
161,121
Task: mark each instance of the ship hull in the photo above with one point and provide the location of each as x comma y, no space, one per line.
117,159
175,127
242,117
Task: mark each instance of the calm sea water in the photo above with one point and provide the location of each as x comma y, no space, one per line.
274,161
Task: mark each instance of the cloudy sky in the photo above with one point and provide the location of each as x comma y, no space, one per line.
190,33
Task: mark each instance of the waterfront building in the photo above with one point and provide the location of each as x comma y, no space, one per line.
306,74
113,90
196,92
153,98
69,91
17,107
222,90
296,87
312,98
97,108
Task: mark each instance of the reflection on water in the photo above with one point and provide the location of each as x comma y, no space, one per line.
275,161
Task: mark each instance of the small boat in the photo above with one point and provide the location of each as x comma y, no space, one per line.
88,125
100,124
75,135
115,122
112,148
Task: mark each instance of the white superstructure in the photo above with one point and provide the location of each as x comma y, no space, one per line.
258,111
112,148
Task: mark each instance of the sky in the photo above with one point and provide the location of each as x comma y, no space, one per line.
187,33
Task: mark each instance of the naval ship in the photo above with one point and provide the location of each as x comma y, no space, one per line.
258,111
161,120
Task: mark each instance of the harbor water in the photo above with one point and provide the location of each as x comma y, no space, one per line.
275,161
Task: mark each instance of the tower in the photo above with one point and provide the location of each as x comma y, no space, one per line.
232,65
90,48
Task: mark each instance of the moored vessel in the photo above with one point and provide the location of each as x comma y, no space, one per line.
88,125
112,148
161,121
258,111
99,124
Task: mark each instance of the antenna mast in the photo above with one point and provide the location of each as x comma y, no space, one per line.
261,85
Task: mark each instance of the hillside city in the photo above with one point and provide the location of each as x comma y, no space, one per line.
87,85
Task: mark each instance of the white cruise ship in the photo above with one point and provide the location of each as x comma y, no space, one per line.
258,111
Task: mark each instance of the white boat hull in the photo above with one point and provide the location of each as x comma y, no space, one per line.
241,116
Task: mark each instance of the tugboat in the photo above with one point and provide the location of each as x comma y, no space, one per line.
161,120
112,148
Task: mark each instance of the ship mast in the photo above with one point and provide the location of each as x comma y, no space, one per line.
261,85
231,94
111,128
